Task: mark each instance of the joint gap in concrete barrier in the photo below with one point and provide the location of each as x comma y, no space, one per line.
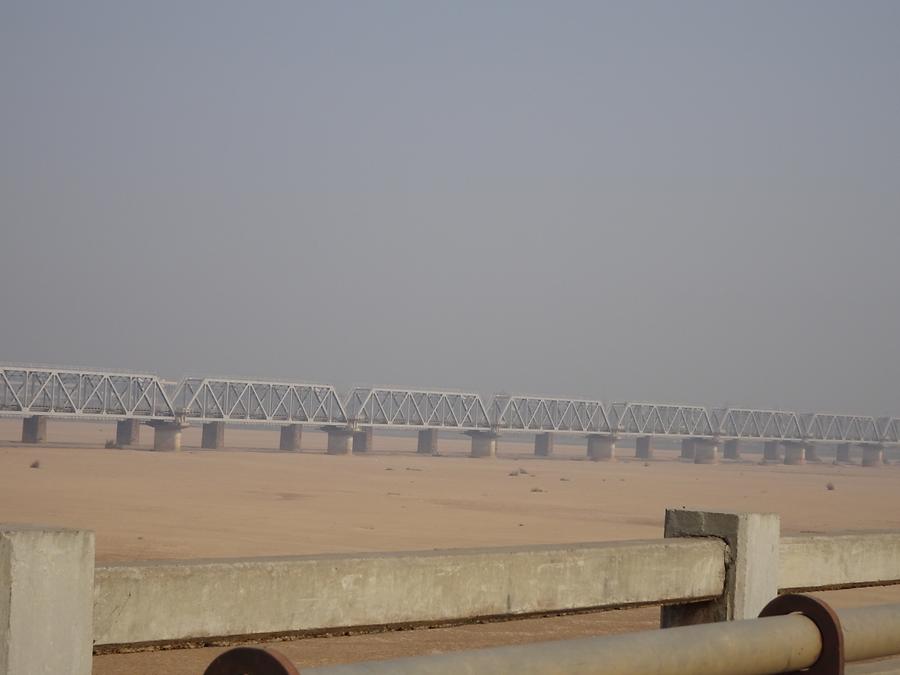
838,587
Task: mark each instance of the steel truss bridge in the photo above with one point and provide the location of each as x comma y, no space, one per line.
117,395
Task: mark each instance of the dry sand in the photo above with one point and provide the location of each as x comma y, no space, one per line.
251,500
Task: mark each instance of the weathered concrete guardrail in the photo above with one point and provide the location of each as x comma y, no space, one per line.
710,567
822,562
144,602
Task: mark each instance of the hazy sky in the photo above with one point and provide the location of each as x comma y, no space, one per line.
679,201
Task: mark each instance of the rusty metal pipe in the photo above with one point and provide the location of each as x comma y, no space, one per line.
754,647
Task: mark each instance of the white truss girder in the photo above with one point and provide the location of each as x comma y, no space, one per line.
82,393
416,408
841,428
889,429
209,399
661,419
765,425
532,413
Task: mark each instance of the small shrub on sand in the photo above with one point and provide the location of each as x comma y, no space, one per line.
536,489
112,445
829,486
36,464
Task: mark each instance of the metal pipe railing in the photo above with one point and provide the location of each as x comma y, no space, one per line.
764,646
870,632
758,647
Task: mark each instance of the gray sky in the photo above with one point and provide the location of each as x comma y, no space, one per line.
689,202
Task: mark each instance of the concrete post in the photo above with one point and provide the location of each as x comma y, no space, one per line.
362,440
642,449
731,449
128,432
706,451
873,455
338,440
751,565
794,453
484,443
842,453
427,442
601,448
213,437
544,444
291,435
772,451
167,436
46,600
34,429
687,448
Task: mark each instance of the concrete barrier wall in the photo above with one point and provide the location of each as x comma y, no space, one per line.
157,601
821,562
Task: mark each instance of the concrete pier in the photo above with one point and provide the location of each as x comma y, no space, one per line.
362,440
291,435
842,452
128,432
543,444
427,442
484,443
772,451
731,449
794,452
812,453
873,455
642,449
687,448
339,439
706,451
213,437
34,429
167,436
601,448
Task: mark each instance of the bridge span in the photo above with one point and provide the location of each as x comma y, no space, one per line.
132,399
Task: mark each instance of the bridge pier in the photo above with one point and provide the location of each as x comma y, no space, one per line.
544,444
873,455
213,437
484,443
167,435
687,448
34,429
338,440
601,447
642,449
731,449
362,440
842,453
128,432
772,451
706,451
812,453
427,442
794,453
291,435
